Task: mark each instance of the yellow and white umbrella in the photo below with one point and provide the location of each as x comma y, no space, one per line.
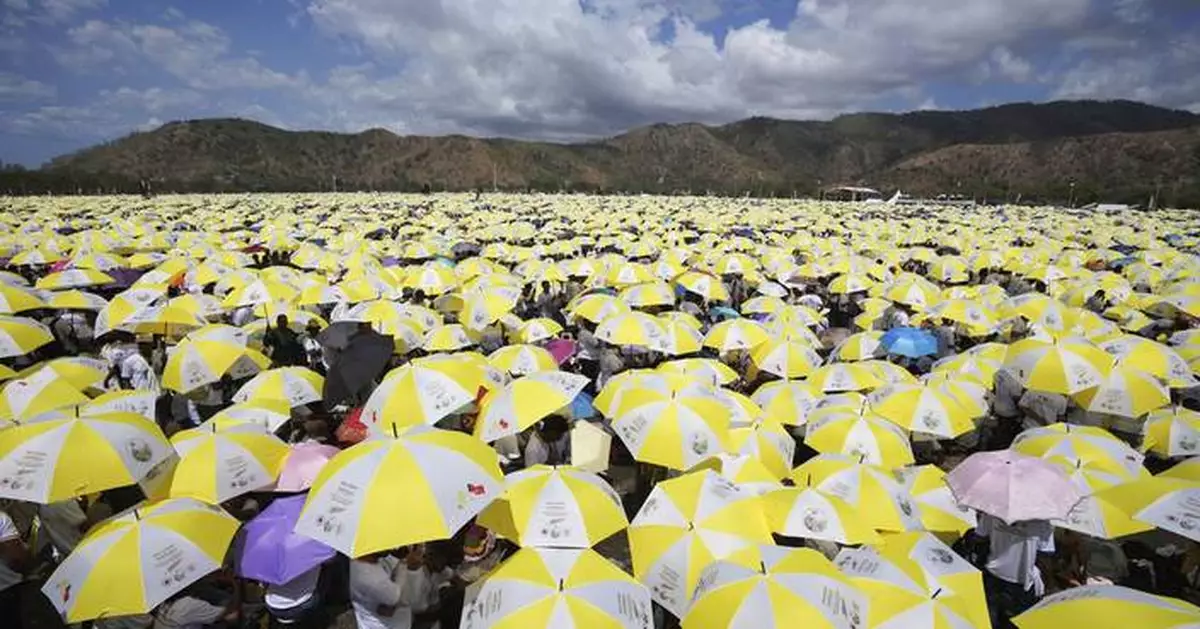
1067,366
385,493
812,514
1126,392
736,334
836,377
448,338
215,466
685,524
939,510
706,369
38,393
682,336
788,402
521,360
1163,502
1171,432
193,364
1152,357
74,278
860,346
561,588
134,561
902,594
1108,607
14,299
59,458
81,372
866,436
707,286
125,306
655,293
771,587
922,408
596,307
766,440
21,335
297,385
422,393
555,507
881,501
76,300
537,330
743,470
636,329
785,358
1081,445
258,415
675,430
525,401
260,292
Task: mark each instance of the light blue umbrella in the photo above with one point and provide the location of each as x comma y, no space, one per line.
910,342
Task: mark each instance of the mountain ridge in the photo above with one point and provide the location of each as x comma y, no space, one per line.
1018,148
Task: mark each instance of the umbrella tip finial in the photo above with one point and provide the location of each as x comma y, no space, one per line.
936,592
137,516
762,567
561,585
395,433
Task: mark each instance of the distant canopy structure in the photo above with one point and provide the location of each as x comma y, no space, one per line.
852,193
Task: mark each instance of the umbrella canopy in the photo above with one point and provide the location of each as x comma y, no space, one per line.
910,342
543,588
357,365
685,524
272,552
55,459
525,401
1108,607
773,588
385,493
555,507
119,568
995,483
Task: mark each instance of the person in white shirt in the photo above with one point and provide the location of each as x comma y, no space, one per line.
296,603
385,591
61,526
191,612
1013,580
15,559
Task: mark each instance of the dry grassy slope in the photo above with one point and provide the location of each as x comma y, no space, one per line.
1023,144
1167,158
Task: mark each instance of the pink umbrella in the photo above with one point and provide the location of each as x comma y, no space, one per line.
1013,486
561,349
302,465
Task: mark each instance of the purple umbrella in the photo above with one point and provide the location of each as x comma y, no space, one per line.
1013,486
272,553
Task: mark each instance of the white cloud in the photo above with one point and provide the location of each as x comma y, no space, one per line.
113,112
559,68
1162,72
198,54
1010,66
16,88
1132,11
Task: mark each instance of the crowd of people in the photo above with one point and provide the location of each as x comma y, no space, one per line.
950,301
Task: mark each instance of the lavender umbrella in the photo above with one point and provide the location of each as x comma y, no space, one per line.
1013,486
271,552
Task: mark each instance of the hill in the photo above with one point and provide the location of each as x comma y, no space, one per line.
1116,149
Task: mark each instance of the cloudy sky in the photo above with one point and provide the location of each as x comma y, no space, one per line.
76,72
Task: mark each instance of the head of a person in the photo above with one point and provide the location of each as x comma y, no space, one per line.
281,321
553,427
